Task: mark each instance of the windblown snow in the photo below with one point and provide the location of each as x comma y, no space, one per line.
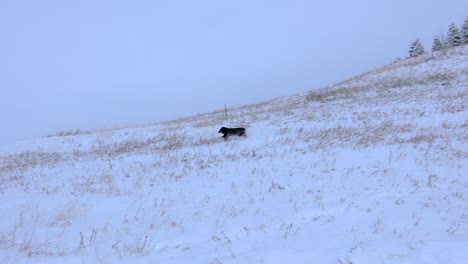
370,170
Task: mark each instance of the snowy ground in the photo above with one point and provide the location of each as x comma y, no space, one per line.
371,170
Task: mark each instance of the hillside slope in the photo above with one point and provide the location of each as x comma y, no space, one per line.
370,170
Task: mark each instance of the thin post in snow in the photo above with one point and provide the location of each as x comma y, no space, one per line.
225,112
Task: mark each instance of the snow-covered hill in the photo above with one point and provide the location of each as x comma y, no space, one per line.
370,170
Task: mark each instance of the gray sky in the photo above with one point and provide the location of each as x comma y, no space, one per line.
93,64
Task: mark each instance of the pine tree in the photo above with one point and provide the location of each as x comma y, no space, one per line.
419,49
464,32
416,48
411,49
453,36
437,44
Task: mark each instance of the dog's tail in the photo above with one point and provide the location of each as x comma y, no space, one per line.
244,132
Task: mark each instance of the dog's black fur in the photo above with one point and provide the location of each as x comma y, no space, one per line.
240,131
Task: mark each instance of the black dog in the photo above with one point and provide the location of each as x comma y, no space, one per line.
240,131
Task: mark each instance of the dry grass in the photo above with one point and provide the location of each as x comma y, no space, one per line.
348,116
343,92
72,133
357,129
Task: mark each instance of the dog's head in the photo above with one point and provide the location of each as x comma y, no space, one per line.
223,130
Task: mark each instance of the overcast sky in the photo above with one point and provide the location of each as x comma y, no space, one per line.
93,64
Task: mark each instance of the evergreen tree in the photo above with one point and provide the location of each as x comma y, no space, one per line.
416,48
437,44
464,32
453,36
419,48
